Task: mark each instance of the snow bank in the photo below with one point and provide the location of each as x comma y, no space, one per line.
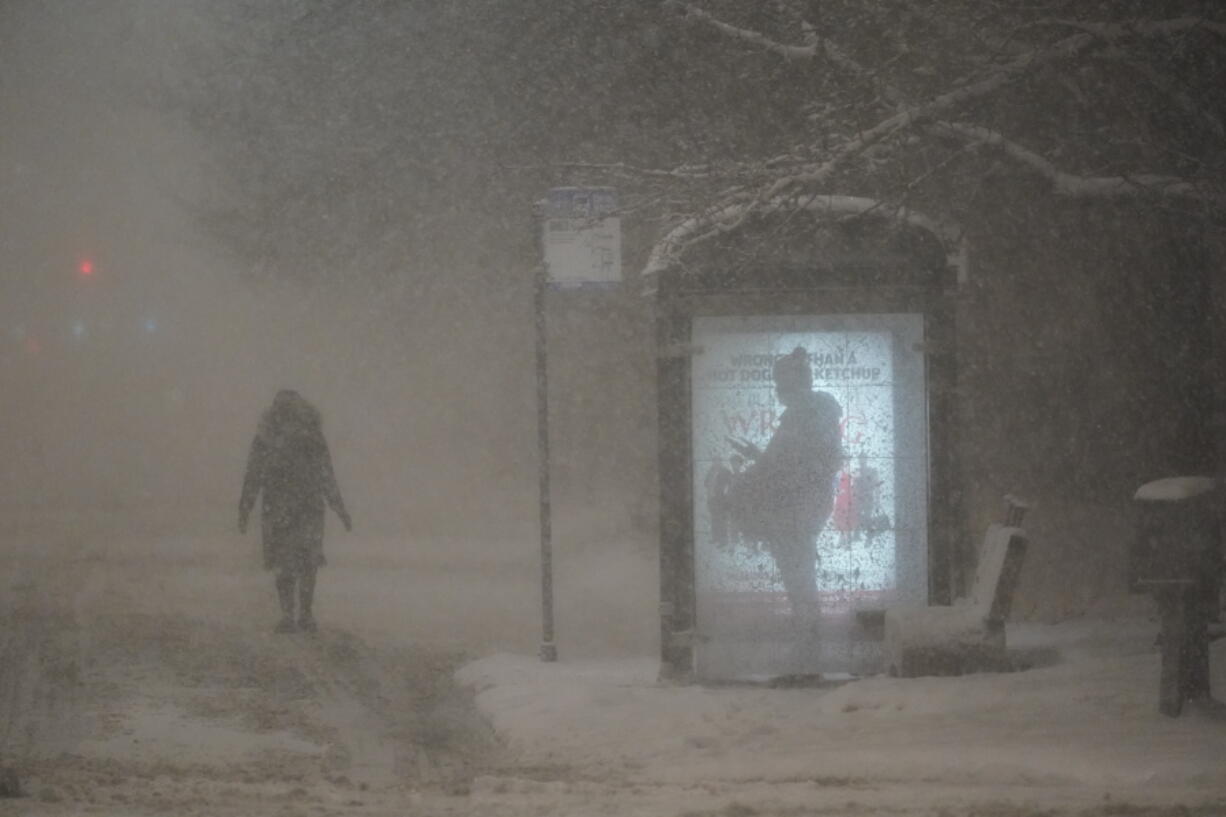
1088,720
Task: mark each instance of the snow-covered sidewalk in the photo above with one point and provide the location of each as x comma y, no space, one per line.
1083,720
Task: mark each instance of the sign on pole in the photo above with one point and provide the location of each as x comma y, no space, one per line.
580,246
582,237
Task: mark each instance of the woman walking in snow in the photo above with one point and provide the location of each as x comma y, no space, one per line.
290,465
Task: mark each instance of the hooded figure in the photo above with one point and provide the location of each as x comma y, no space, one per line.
785,496
289,463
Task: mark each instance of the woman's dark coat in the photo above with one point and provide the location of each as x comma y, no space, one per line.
290,465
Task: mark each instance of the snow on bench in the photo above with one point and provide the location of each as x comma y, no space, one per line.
968,636
1174,489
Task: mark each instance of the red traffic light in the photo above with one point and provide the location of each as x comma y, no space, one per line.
86,268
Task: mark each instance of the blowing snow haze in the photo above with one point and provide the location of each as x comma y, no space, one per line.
269,195
992,231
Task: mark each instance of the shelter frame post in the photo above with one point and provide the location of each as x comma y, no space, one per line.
677,612
549,648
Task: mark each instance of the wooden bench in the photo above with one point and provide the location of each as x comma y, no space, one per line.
969,635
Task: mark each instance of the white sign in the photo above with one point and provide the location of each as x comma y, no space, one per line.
582,237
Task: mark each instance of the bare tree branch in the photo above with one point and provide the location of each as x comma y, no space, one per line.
688,172
1179,97
1061,50
1147,28
789,52
814,45
682,172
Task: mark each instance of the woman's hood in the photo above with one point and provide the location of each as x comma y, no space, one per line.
289,415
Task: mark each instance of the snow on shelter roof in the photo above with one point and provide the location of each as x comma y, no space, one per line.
668,251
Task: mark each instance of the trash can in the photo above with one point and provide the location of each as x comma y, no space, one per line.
1177,557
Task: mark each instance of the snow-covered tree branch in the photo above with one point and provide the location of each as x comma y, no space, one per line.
1070,184
1033,61
697,229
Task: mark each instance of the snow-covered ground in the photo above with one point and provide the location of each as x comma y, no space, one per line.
1080,727
142,677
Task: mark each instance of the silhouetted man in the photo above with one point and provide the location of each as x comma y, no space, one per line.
289,463
785,496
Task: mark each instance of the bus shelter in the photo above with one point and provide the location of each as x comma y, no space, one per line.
807,476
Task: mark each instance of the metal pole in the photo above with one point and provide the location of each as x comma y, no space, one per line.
549,650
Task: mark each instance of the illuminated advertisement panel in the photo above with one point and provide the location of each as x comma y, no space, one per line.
810,470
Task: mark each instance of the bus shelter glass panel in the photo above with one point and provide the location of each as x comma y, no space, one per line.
810,474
